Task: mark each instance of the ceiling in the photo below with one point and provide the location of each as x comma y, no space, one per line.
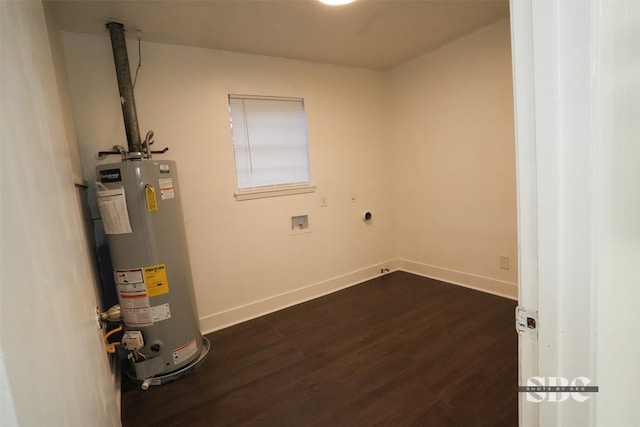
373,34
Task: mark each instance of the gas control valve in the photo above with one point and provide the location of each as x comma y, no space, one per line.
132,340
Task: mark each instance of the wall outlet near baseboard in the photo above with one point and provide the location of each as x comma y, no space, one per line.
504,262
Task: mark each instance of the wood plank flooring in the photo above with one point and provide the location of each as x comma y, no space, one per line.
394,351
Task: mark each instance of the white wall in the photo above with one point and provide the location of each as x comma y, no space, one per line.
452,138
57,373
244,260
618,211
55,41
448,115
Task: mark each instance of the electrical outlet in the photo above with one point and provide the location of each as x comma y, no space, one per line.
504,262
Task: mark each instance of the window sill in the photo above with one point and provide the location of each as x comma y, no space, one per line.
275,191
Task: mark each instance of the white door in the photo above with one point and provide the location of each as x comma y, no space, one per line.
553,62
577,109
524,104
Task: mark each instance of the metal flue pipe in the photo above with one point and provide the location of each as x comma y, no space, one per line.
123,73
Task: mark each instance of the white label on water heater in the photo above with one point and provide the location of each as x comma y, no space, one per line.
129,277
137,317
166,188
134,301
184,352
113,210
160,312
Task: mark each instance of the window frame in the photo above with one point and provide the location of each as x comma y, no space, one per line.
275,189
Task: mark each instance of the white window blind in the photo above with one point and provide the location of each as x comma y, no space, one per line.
269,141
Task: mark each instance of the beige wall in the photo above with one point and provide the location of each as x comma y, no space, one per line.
448,115
452,139
57,372
55,40
244,259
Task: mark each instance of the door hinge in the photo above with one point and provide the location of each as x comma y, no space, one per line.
527,323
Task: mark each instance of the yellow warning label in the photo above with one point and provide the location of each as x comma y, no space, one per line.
152,202
155,277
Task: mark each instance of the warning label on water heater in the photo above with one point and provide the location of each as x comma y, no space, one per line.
155,277
184,352
135,286
129,277
166,188
134,301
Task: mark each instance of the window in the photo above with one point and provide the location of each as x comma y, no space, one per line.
270,146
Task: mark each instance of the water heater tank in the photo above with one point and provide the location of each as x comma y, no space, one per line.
139,202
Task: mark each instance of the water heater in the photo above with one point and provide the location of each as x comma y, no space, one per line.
139,203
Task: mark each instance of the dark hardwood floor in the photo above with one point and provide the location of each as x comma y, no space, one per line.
394,351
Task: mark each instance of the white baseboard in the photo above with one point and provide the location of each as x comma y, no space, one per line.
259,308
472,281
